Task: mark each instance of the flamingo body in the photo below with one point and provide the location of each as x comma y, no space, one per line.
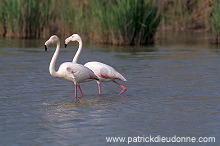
104,72
69,71
76,73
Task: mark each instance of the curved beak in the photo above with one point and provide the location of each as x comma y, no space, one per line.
65,45
45,47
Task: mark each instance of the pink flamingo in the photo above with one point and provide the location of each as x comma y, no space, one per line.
69,71
104,72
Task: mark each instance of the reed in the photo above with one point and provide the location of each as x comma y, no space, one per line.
180,15
125,22
24,18
215,23
114,22
10,20
72,17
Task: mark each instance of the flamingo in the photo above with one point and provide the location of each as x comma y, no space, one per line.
69,71
104,72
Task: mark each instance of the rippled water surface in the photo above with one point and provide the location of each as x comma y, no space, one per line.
172,89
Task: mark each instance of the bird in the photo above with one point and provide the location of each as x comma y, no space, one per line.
104,72
69,71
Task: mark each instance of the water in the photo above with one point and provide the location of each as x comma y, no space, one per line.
172,89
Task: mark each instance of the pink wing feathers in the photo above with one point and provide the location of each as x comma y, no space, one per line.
70,70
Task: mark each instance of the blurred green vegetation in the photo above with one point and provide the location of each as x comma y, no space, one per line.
125,21
118,22
215,23
24,18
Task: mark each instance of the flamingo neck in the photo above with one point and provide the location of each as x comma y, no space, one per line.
76,57
53,61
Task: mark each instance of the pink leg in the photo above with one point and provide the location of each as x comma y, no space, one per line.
80,90
99,88
75,92
123,87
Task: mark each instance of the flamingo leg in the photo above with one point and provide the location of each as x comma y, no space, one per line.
75,92
123,87
80,90
99,88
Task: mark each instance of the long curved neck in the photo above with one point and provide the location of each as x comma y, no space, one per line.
76,57
53,61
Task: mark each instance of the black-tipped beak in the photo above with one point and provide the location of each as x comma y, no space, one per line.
45,47
65,45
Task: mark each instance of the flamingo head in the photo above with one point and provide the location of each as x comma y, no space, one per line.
74,37
52,40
